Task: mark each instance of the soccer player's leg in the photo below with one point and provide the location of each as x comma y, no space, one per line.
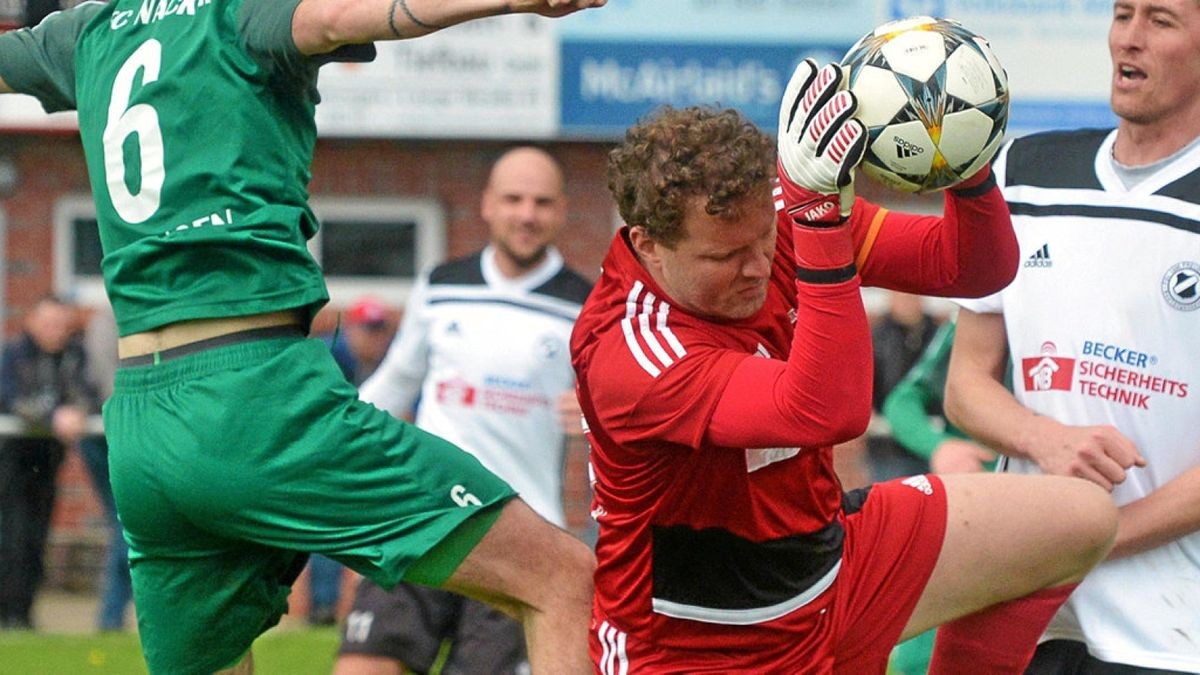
532,571
1014,547
200,612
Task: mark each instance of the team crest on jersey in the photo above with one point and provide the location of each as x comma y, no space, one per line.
548,347
1181,286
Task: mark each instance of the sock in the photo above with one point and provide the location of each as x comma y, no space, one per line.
998,640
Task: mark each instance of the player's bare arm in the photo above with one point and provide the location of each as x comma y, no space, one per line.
320,26
978,402
1170,512
4,88
956,455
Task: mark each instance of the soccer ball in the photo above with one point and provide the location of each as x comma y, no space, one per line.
934,99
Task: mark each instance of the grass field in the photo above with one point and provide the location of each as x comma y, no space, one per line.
300,651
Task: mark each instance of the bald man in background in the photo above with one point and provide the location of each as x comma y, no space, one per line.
483,347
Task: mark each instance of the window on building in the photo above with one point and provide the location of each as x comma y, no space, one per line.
377,246
373,246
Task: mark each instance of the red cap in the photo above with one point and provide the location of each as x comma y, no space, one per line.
368,311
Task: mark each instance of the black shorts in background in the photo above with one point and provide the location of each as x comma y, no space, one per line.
410,624
1065,657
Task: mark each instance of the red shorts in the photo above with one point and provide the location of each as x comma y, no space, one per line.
891,546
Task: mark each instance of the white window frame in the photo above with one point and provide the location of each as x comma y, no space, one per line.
85,289
3,260
430,219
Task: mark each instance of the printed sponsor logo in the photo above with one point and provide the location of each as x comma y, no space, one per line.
497,394
1048,371
1113,372
456,391
816,211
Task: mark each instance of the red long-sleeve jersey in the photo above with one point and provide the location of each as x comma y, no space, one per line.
718,505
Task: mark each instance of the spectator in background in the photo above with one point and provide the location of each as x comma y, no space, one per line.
918,423
898,338
484,345
43,381
362,339
116,590
358,345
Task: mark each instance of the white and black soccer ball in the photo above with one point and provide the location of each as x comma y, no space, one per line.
934,99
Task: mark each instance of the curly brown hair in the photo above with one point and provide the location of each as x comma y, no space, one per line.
678,154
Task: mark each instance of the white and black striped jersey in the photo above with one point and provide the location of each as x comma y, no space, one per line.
487,358
1102,320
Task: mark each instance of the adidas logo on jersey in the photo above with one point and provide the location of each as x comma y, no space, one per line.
1040,258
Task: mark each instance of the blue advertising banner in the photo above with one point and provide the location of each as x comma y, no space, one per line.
620,63
609,85
724,21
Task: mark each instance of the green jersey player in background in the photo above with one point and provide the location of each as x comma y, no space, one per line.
237,447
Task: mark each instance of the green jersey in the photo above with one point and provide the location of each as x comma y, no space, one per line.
197,219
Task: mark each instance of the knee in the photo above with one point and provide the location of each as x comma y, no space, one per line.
576,564
1094,520
560,572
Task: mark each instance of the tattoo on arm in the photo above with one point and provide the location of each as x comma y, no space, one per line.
408,13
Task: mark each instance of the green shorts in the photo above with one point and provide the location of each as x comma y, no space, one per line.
231,464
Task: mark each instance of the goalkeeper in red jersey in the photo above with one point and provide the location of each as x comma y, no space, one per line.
725,349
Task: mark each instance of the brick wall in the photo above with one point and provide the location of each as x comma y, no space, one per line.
50,166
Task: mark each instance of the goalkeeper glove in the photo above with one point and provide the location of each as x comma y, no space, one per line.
819,145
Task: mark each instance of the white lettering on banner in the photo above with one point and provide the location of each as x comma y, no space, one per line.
487,79
442,59
1028,7
732,83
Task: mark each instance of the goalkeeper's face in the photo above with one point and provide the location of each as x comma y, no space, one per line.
720,268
